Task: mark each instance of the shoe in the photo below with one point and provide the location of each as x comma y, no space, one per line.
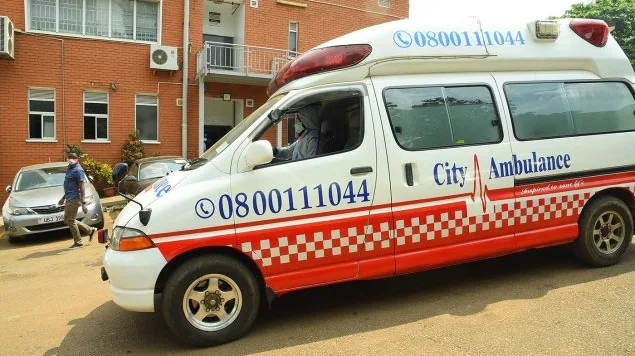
92,232
76,245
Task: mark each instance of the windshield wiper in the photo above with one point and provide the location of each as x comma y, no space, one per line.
193,162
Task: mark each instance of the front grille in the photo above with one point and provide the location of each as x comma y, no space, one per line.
51,209
49,226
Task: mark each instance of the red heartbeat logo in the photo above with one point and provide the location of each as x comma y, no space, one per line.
482,191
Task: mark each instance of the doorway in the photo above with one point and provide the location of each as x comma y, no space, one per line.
220,117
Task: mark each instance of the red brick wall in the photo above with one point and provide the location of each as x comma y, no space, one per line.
317,23
92,65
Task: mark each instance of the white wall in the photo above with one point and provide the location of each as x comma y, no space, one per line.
227,26
239,25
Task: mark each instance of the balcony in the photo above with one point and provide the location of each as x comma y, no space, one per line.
240,64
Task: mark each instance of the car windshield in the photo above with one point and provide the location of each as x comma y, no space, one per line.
40,178
232,135
158,169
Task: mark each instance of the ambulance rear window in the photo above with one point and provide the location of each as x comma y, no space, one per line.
435,117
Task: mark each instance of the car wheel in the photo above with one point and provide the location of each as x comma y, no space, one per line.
210,300
606,231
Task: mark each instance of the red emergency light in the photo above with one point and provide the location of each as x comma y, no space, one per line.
596,32
318,61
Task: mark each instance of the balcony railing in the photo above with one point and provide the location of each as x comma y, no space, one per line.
216,57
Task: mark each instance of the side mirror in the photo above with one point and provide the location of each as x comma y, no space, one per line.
8,189
119,172
258,152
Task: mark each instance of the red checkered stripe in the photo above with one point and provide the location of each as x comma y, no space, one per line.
302,247
429,226
417,228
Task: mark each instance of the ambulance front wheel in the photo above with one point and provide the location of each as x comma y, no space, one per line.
606,231
210,300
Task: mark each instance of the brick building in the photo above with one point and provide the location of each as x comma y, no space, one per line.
81,71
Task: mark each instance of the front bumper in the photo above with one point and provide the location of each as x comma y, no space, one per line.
133,276
22,225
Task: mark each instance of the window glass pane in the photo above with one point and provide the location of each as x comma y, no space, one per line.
89,127
147,122
97,12
71,16
37,105
147,19
102,128
539,110
147,99
94,108
293,42
35,126
122,18
43,15
419,117
49,127
472,115
601,107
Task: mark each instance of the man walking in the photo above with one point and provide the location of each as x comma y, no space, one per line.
74,196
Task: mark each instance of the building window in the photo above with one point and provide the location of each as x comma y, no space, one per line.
95,116
214,18
384,3
41,114
293,39
122,19
436,117
147,117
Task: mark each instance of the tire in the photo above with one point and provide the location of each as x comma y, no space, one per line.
179,309
592,246
14,239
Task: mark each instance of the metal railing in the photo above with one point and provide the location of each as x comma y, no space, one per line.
245,60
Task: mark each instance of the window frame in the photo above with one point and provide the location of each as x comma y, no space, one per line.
96,116
297,39
135,116
575,81
42,114
467,85
261,129
27,19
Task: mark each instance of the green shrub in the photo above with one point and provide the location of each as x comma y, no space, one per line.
74,148
101,173
133,149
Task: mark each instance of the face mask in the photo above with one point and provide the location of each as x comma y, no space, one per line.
299,127
72,161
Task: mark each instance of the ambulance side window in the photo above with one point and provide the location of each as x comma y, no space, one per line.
435,117
550,110
333,123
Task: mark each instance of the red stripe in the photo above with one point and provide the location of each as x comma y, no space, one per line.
494,195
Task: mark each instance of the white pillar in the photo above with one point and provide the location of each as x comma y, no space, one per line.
201,114
279,135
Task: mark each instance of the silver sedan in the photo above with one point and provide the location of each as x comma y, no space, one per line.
33,207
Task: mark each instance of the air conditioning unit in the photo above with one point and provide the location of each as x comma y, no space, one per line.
7,38
163,58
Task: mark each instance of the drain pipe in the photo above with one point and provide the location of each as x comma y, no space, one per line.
186,59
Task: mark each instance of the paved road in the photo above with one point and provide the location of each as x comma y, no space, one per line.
52,302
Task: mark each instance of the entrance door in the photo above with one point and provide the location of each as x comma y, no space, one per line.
304,220
452,190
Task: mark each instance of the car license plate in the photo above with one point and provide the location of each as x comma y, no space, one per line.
51,219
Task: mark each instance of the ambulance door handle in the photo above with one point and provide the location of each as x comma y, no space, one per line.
361,170
409,176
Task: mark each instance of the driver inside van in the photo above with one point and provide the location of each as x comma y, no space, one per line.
307,124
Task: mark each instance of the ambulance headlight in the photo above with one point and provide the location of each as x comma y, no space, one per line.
127,239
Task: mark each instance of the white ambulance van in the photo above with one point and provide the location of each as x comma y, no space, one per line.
421,146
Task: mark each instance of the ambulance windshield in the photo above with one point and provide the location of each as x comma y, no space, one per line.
232,135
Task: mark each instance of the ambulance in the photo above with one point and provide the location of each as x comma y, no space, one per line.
437,145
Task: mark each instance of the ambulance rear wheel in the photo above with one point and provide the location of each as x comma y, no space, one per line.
210,300
606,231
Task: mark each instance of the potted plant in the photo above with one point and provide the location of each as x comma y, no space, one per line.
102,176
133,149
